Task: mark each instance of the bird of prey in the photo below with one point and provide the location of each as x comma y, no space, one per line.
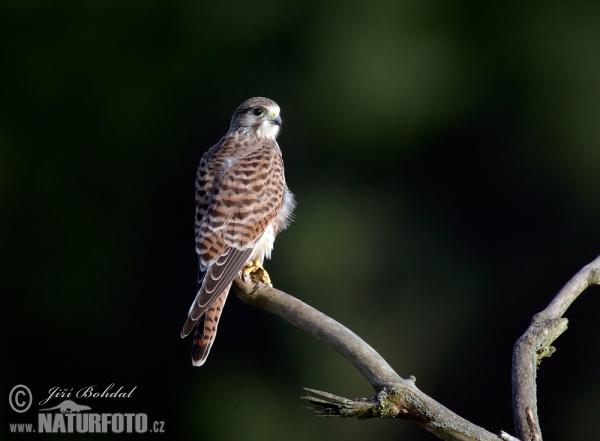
242,202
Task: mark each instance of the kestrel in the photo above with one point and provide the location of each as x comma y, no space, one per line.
242,202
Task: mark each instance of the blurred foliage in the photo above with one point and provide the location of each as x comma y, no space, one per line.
445,161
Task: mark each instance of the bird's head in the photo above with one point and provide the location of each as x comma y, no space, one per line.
257,117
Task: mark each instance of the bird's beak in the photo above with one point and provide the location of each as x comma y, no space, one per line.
276,120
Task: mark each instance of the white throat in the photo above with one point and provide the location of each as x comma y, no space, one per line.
268,130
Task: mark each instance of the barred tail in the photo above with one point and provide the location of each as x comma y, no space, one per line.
206,330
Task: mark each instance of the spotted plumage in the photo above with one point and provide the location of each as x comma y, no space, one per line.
242,202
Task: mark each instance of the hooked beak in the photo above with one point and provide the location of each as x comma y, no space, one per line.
276,120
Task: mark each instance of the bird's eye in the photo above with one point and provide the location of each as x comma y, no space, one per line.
258,111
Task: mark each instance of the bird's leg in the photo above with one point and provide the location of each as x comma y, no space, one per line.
255,271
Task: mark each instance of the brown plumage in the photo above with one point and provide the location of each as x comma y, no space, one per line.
242,202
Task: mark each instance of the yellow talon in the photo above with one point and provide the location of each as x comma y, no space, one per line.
256,273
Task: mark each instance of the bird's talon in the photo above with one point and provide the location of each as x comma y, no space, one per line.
256,273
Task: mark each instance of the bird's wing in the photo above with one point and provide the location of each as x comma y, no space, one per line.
239,191
217,278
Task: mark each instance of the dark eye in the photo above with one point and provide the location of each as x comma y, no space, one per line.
258,111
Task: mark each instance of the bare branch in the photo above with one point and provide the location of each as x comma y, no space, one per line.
535,344
329,405
533,425
396,398
506,437
360,354
400,398
589,275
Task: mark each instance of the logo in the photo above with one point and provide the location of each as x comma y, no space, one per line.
68,406
20,398
71,417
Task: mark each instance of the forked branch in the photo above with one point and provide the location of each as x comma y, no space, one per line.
396,398
400,398
535,344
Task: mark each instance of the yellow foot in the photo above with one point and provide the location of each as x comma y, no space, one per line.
256,273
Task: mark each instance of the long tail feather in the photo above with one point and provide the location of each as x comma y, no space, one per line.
206,330
215,280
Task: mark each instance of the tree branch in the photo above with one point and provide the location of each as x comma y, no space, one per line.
396,398
535,344
360,354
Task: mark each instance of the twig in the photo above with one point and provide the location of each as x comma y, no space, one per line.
506,437
533,425
329,405
535,344
397,397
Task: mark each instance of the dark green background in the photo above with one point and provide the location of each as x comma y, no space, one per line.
445,158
